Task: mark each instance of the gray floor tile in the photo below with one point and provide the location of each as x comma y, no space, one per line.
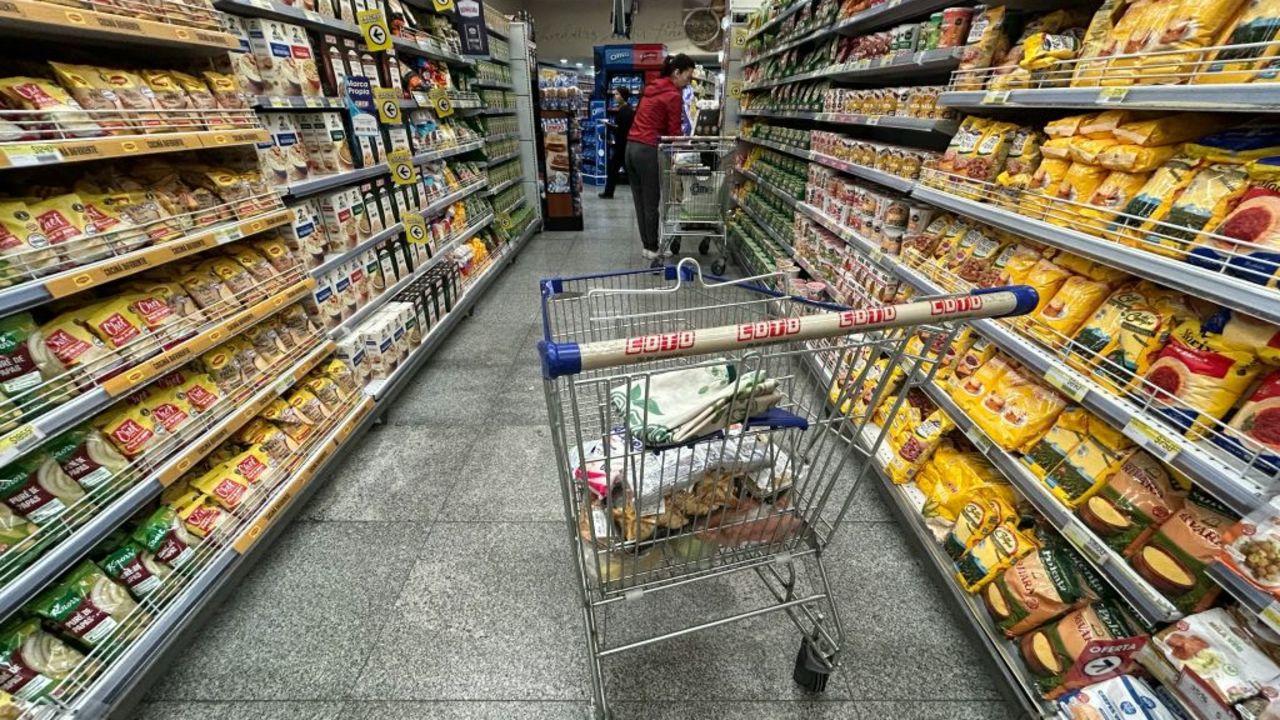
484,341
241,711
468,710
936,710
515,480
301,619
738,710
399,473
450,395
489,612
521,400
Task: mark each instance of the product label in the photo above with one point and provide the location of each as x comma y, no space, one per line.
84,470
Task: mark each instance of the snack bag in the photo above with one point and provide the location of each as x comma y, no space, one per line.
33,662
1174,559
133,567
1062,316
1024,151
85,605
1043,50
1136,497
272,441
1195,379
24,250
91,92
1254,221
1084,469
991,555
1017,413
134,95
963,144
989,156
1068,431
1258,23
1204,203
36,488
1153,201
1051,650
164,535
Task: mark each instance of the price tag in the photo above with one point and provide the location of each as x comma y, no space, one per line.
876,254
261,4
442,6
278,102
314,102
403,171
373,25
285,384
1073,388
1150,439
19,441
1200,697
1271,615
873,120
421,98
415,228
978,438
440,102
995,97
28,155
388,102
314,16
1112,95
739,37
1086,543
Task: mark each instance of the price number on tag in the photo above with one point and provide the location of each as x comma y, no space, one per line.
995,97
1072,387
19,441
415,228
440,102
979,439
403,171
373,25
1112,95
1086,543
388,102
28,155
1150,439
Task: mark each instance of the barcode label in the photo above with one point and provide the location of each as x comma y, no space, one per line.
1150,439
29,155
1073,388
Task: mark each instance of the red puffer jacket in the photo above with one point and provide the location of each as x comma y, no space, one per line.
660,112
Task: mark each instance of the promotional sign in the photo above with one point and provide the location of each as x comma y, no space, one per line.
373,25
1104,659
388,102
619,56
472,28
440,102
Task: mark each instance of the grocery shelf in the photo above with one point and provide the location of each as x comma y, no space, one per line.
777,191
503,136
429,50
1244,97
886,13
497,111
877,176
1251,598
58,558
513,207
297,102
502,158
30,434
774,21
72,25
494,86
765,226
925,125
1167,676
333,261
441,154
60,152
351,323
30,294
503,186
914,65
306,188
1149,604
276,10
1256,300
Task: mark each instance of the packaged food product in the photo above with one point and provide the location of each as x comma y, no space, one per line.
1196,379
969,389
975,521
1063,315
1204,203
1046,277
1068,431
963,144
1174,559
1254,221
85,605
1040,587
1094,42
64,114
1044,50
168,95
1045,181
137,98
1058,148
1153,201
952,478
1129,158
1122,338
1068,126
1193,26
1213,646
1117,698
1086,467
989,156
1258,23
1251,547
133,567
14,531
163,534
130,428
224,485
1169,129
270,438
86,456
1078,186
1024,151
201,514
36,488
91,92
1051,650
33,662
296,424
915,444
991,555
1137,497
208,290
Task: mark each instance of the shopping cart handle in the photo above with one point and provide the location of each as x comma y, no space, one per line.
559,359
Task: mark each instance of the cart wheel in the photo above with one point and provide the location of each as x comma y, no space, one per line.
809,673
717,267
705,247
675,246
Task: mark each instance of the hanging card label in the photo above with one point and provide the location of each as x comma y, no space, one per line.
373,25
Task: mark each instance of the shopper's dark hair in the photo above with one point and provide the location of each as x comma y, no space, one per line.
623,93
679,62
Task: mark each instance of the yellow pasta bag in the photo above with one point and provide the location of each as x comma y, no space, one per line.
913,447
1104,124
1067,126
1121,340
992,555
1058,148
1258,23
1088,150
1150,19
1169,129
973,357
1090,269
1204,203
1237,331
1194,25
1044,182
1075,301
1154,200
1018,263
1046,277
952,478
1088,71
969,391
1196,379
1070,429
1077,186
1109,198
1085,469
1018,412
1131,158
975,521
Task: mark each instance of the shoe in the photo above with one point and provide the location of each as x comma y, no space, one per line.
648,254
606,197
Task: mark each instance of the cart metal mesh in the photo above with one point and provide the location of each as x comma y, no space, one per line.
651,510
695,191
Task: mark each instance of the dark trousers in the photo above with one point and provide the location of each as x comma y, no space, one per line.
642,174
616,159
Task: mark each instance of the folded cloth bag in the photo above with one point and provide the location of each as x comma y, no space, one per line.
686,404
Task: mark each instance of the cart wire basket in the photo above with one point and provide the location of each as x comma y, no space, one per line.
695,193
706,428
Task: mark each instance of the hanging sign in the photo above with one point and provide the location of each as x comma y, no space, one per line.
373,24
403,171
387,101
440,102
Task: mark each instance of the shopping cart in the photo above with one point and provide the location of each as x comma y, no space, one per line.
695,193
653,504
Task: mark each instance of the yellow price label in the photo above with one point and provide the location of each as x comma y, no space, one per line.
403,171
373,25
1271,616
739,37
1072,387
388,102
1152,440
441,103
19,441
735,89
1112,95
415,228
442,6
995,97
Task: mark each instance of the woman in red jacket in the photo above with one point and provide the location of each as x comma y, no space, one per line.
660,114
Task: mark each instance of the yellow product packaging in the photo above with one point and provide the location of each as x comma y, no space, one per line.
259,268
1077,299
947,244
964,142
62,220
68,345
989,157
1087,72
1196,24
952,478
1044,50
247,358
29,93
326,390
1196,378
224,486
975,521
267,436
1154,200
1017,411
1024,151
1258,23
208,291
1077,186
1058,148
1104,124
1019,263
974,237
1252,221
987,40
114,323
1067,126
915,444
1120,341
235,278
169,96
277,252
1046,278
153,312
973,357
1130,158
1138,30
267,344
24,252
169,410
968,392
1237,331
92,93
252,464
1204,203
129,428
200,392
343,375
292,421
1109,198
221,364
992,555
200,514
135,96
1169,129
308,404
1085,469
1044,182
1068,431
1088,150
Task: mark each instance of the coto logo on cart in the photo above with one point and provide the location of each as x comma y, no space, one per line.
766,329
869,316
946,306
665,342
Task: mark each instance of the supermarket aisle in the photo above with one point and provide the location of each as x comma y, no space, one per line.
430,577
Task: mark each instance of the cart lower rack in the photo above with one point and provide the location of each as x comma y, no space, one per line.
693,444
694,193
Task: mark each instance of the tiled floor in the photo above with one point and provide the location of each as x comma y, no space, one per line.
431,579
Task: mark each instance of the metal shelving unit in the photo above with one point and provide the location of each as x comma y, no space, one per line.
924,125
886,13
1248,97
938,63
26,19
877,176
